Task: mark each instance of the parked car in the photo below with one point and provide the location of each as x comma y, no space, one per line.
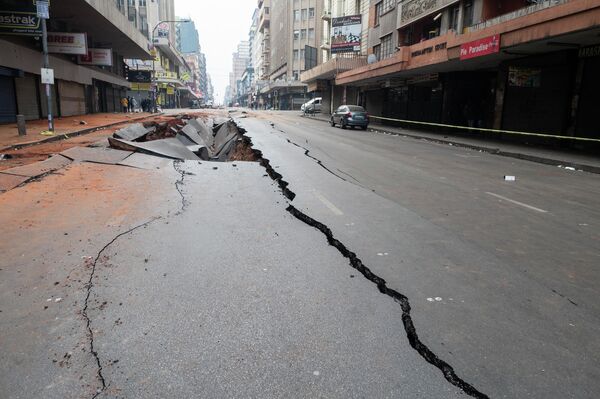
312,106
350,115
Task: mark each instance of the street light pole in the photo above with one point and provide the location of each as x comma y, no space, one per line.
154,109
47,65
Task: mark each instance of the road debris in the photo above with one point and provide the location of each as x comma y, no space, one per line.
510,178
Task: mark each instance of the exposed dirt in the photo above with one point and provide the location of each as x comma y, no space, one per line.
243,152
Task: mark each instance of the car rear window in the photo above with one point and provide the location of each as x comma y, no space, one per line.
356,108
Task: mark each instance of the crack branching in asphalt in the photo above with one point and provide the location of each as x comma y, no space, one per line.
179,184
89,286
356,263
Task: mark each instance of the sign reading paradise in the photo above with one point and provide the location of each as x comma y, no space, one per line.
19,17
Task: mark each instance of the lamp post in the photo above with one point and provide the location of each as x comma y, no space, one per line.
154,110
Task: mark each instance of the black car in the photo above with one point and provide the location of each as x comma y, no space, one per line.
350,115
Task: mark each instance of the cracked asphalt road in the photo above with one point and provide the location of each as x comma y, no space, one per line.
226,280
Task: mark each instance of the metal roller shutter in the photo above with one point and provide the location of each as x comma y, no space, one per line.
8,105
27,96
72,98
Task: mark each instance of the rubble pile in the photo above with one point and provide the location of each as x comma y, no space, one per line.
182,138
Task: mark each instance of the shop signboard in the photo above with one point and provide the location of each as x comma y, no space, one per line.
481,47
97,56
413,10
170,90
591,51
20,17
67,43
346,34
139,76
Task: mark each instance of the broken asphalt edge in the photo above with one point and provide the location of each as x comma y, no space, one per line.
490,150
65,136
356,263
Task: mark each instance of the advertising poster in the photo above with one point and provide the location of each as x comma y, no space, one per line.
524,77
346,33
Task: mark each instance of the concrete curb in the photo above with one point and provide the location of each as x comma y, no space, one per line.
490,150
65,136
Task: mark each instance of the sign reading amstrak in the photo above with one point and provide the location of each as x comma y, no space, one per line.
19,17
478,48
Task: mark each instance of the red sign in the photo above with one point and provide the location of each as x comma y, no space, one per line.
486,46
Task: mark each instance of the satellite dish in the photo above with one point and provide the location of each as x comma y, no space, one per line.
371,59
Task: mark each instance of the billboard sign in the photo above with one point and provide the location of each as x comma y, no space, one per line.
478,48
20,17
346,34
67,43
97,56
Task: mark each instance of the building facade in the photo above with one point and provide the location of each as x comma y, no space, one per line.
88,44
513,65
296,32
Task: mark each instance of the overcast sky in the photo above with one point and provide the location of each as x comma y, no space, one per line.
221,25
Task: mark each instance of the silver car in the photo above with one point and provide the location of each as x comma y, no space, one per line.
350,115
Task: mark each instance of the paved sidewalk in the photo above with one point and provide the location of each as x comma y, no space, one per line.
9,136
550,156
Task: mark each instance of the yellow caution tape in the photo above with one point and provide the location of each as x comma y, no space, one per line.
47,133
489,130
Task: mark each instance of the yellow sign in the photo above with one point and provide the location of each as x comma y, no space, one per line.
140,86
170,90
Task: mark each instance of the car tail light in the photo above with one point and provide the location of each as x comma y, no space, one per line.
349,115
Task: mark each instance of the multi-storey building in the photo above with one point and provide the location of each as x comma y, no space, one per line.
344,47
515,65
296,34
240,61
89,71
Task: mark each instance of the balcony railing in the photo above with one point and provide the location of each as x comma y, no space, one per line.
334,66
541,5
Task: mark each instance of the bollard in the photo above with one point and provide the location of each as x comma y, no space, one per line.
21,125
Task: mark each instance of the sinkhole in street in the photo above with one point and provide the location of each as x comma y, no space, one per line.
198,137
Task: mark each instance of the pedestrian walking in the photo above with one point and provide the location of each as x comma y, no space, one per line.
124,104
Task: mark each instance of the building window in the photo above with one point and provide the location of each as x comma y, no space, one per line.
142,3
304,14
302,54
377,12
296,54
387,5
296,75
311,33
266,10
377,51
296,15
303,34
358,6
311,13
296,35
387,47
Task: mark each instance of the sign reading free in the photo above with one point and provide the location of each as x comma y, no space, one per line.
481,47
67,43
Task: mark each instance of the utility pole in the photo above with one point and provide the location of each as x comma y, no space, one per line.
46,66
